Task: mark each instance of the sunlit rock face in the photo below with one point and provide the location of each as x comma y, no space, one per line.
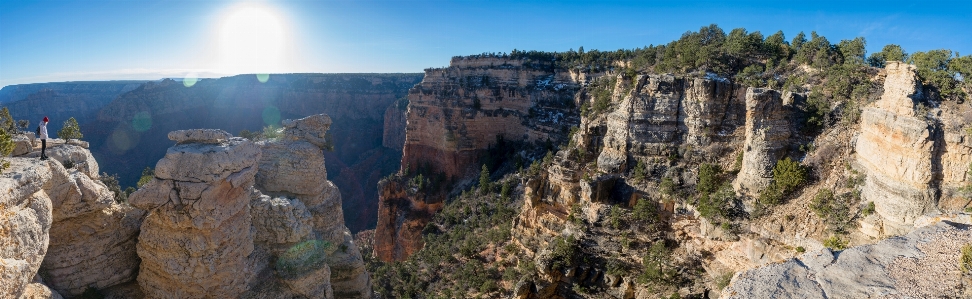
25,220
899,151
768,128
197,237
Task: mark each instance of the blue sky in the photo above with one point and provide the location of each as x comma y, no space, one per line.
46,41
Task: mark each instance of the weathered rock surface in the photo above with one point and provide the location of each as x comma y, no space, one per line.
25,219
661,112
293,168
897,149
922,264
393,134
92,239
199,136
768,125
197,237
402,214
37,290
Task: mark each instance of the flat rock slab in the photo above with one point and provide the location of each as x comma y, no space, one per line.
922,264
199,136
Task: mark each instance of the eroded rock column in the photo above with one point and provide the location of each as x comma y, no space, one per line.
767,130
896,149
25,219
197,237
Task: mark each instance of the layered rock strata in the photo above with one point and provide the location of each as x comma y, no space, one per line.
453,118
661,112
898,149
307,207
768,125
922,264
197,237
458,112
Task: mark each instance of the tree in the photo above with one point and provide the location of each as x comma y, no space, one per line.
147,174
7,122
6,147
484,180
853,50
933,67
890,52
70,130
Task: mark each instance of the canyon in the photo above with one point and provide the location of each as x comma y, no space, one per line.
202,227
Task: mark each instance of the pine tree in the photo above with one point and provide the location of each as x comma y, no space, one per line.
484,180
70,130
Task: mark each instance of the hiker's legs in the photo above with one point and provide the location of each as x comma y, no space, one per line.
43,148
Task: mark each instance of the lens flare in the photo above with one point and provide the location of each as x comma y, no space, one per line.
271,115
263,78
142,121
190,79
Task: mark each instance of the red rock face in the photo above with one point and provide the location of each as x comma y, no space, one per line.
401,217
453,118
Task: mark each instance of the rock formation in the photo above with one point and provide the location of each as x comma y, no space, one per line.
898,149
453,117
197,238
292,169
62,100
768,125
25,219
393,135
922,264
92,239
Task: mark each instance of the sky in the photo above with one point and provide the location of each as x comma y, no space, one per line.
52,41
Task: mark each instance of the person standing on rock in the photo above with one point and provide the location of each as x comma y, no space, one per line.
42,131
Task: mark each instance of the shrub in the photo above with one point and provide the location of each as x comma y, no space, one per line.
708,178
639,172
147,175
68,164
564,252
6,147
965,261
271,132
868,209
833,211
645,211
615,217
800,249
111,181
716,205
787,176
835,243
70,130
667,187
723,280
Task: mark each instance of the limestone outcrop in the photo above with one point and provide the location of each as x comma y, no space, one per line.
393,134
308,207
92,239
922,264
768,125
25,220
197,237
402,214
897,148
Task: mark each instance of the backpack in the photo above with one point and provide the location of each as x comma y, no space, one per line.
38,130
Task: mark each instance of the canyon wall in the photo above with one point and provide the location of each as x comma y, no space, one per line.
132,129
454,116
62,100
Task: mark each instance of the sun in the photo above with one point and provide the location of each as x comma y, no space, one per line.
252,39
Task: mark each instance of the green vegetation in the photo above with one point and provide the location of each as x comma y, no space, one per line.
890,52
639,174
800,249
657,270
147,174
834,211
835,243
667,187
722,281
111,181
788,175
6,147
868,209
939,69
70,130
484,185
965,260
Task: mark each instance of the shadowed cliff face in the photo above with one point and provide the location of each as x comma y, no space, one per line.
62,100
131,131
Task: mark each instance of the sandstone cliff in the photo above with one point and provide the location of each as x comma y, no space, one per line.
768,125
901,151
25,220
454,117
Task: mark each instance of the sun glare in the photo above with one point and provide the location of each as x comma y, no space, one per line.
252,40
